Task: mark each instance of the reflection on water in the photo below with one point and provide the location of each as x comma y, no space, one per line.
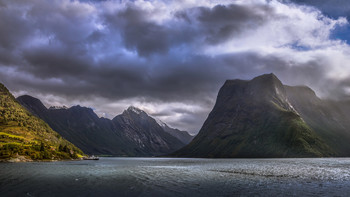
178,177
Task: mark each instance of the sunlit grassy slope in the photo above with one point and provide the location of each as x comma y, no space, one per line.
22,134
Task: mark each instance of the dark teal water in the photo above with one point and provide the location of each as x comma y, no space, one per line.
178,177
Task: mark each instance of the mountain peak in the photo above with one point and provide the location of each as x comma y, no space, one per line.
135,110
265,87
58,107
267,79
262,80
29,98
267,76
31,103
81,109
269,88
255,119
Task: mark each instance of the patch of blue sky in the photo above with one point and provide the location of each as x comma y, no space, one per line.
341,33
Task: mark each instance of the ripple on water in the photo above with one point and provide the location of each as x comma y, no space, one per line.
178,177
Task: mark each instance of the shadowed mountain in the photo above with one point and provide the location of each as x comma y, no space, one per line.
81,126
146,133
132,133
329,119
183,136
264,118
26,137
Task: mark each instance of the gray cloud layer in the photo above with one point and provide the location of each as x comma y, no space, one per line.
149,53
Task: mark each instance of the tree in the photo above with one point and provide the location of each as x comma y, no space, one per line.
60,148
66,149
42,147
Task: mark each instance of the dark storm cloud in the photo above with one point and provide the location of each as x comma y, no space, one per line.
81,50
67,44
14,32
139,34
13,29
46,62
215,25
223,22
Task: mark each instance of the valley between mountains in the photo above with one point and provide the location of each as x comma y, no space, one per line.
258,118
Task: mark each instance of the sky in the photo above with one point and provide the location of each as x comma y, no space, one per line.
169,58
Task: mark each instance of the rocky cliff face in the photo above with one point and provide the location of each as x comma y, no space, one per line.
132,133
256,118
145,132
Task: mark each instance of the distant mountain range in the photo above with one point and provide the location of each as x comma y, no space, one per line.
251,118
24,137
132,133
264,118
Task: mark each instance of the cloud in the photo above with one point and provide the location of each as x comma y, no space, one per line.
335,8
224,22
332,9
168,58
139,34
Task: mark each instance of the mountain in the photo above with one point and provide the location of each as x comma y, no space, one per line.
146,133
264,118
133,133
183,136
81,126
329,119
26,137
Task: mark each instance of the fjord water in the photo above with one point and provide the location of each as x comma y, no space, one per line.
178,177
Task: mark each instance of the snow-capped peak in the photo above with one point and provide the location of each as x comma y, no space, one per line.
58,107
135,110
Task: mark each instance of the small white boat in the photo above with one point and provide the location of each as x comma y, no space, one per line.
92,157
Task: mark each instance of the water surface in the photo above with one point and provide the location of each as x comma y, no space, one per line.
178,177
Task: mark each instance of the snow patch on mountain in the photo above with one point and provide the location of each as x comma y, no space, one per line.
135,110
161,123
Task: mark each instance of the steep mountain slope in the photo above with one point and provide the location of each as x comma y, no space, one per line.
82,127
183,136
329,119
96,135
255,119
25,136
146,133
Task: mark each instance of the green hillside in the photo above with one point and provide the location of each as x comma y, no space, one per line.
25,136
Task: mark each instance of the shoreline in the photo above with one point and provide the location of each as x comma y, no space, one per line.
23,159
